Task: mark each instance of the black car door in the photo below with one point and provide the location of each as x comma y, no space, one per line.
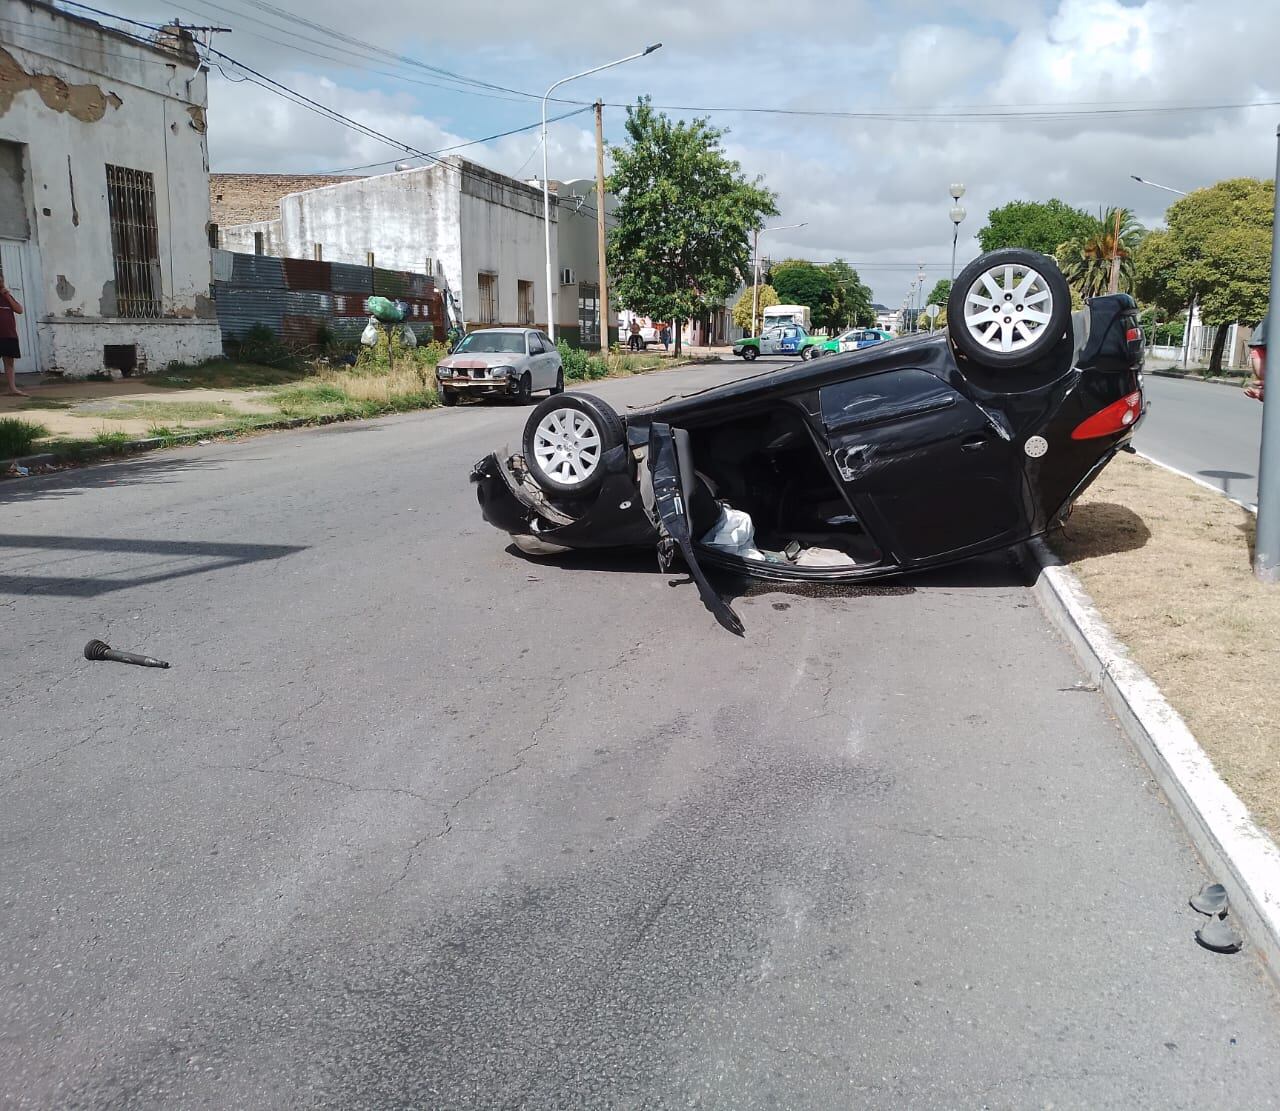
930,472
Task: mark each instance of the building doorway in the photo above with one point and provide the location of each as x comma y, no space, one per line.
15,265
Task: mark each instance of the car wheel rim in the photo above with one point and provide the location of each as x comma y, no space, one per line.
1007,308
566,444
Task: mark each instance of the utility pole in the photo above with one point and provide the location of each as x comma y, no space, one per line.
755,280
1266,549
603,294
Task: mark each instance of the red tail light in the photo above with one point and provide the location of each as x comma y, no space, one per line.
1133,335
1114,418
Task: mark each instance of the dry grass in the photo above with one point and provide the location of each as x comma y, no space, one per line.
1169,565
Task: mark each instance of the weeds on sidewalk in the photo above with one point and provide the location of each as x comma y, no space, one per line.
17,436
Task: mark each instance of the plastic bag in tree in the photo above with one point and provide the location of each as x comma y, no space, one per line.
384,309
407,337
369,337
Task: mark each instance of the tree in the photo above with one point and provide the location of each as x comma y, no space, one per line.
941,291
685,217
853,297
742,307
797,282
1086,260
1217,251
1036,225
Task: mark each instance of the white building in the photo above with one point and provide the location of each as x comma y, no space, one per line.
477,232
104,199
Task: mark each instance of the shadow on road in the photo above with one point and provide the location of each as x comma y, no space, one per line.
164,560
166,467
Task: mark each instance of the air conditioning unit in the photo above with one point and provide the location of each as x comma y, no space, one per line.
568,276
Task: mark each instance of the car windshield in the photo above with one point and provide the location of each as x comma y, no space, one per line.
492,342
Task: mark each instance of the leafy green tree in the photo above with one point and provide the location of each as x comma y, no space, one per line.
940,292
1036,225
853,297
1086,260
742,307
685,217
797,282
1218,251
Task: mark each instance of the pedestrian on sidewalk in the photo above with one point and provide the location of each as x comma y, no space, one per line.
666,338
1258,357
635,343
9,349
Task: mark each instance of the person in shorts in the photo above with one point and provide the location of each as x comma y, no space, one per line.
10,352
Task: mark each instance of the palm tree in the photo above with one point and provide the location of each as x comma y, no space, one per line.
1087,259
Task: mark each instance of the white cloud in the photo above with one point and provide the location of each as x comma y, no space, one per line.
872,191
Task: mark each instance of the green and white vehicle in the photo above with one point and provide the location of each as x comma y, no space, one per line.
781,339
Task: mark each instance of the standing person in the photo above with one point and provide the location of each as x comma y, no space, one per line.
666,337
9,349
1258,357
634,341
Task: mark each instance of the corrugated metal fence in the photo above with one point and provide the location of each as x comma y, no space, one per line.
297,297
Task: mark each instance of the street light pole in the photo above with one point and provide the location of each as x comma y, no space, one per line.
546,193
755,277
1266,549
957,215
1191,308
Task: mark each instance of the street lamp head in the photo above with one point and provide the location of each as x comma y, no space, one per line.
957,214
651,49
957,191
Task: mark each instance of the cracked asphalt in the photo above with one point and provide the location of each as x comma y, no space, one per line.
414,821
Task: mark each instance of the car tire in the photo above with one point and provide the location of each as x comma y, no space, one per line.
750,354
806,354
565,441
558,388
448,397
524,392
1008,308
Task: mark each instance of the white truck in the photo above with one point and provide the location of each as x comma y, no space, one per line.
787,314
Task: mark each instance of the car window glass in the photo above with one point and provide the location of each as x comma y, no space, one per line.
511,343
535,344
880,397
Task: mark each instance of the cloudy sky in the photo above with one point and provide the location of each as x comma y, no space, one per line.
873,188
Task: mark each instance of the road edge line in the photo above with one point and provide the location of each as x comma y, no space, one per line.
1198,481
1237,852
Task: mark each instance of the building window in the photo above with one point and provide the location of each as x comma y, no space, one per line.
488,288
525,290
215,237
317,252
259,243
588,315
131,203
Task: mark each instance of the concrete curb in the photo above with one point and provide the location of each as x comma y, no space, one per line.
1237,852
1198,378
1198,481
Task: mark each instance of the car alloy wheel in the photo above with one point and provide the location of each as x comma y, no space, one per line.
1008,308
749,353
567,447
525,393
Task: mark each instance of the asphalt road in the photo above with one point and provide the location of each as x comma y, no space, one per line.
1213,432
416,822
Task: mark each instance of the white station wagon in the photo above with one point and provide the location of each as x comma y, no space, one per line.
501,362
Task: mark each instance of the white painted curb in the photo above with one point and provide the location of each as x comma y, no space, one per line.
1238,853
1198,481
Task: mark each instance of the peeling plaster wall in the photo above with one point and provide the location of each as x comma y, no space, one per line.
242,238
79,97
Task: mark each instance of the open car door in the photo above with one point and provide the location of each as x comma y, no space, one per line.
672,474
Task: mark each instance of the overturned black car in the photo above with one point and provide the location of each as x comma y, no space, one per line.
910,454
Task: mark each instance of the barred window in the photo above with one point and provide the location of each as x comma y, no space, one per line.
488,288
131,202
525,291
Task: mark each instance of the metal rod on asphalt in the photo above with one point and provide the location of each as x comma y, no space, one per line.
602,288
1266,550
546,193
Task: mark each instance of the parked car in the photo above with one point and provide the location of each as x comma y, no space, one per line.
501,362
854,339
780,339
890,458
